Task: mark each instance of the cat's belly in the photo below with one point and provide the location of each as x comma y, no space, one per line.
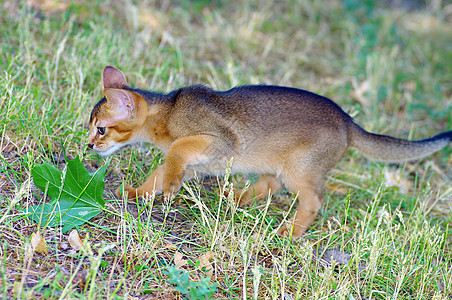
249,164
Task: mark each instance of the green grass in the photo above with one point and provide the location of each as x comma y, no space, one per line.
388,227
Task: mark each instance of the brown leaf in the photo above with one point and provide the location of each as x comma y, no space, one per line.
360,90
178,261
75,241
395,179
49,6
38,243
204,262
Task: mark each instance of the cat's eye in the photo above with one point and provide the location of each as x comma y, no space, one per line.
101,130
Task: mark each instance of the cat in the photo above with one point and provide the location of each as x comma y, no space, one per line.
291,137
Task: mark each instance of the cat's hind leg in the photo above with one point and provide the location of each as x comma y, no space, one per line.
265,186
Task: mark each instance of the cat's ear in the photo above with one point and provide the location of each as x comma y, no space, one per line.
121,102
113,78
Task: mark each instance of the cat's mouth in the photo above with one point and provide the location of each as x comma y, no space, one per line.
107,152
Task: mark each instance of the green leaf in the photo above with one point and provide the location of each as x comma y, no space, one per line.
202,289
77,195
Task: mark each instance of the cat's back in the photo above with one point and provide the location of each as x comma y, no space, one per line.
260,104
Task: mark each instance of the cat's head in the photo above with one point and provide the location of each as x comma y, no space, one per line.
113,121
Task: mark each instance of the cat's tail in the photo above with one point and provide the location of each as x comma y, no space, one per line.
390,149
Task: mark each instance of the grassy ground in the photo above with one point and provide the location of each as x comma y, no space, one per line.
384,231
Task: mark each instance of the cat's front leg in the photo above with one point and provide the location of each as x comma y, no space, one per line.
191,150
152,185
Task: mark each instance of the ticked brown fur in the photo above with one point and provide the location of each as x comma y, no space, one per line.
291,137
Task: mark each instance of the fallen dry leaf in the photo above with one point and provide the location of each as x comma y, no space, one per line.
49,6
75,241
178,261
204,262
38,243
359,91
410,86
150,18
395,179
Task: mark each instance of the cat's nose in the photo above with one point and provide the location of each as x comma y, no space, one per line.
90,146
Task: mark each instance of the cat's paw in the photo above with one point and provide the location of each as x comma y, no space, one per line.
289,230
130,192
242,197
283,231
171,187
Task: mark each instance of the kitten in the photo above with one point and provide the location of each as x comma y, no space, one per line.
290,137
